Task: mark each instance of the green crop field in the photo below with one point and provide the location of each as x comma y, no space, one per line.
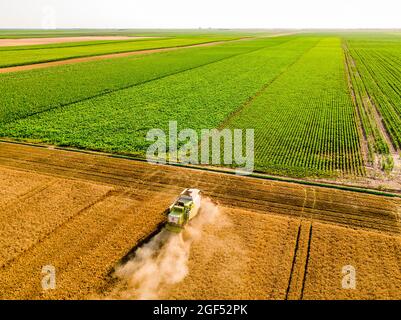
374,66
198,98
15,56
305,120
29,92
321,105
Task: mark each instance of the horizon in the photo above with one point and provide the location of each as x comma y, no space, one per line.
206,29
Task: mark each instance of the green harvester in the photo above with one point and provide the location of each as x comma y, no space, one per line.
184,208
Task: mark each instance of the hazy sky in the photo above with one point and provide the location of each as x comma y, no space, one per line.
200,13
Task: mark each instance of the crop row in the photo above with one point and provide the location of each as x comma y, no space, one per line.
305,123
45,53
378,66
198,98
374,138
29,92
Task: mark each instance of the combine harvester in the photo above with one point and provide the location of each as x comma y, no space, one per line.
184,209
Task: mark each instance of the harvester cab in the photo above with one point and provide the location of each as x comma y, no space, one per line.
183,209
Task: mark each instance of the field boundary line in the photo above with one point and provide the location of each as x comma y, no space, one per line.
227,171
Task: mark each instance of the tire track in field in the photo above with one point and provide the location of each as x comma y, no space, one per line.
111,91
296,247
377,114
296,282
293,261
299,266
307,262
364,136
36,190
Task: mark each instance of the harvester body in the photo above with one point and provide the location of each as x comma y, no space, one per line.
184,208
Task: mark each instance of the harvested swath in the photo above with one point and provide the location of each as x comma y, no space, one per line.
42,209
243,255
86,248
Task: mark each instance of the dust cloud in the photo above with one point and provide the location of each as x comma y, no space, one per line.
164,260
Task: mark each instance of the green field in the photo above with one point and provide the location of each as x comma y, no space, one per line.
378,63
313,99
305,121
374,65
29,92
21,55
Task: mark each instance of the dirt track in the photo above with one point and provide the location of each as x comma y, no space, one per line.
82,213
